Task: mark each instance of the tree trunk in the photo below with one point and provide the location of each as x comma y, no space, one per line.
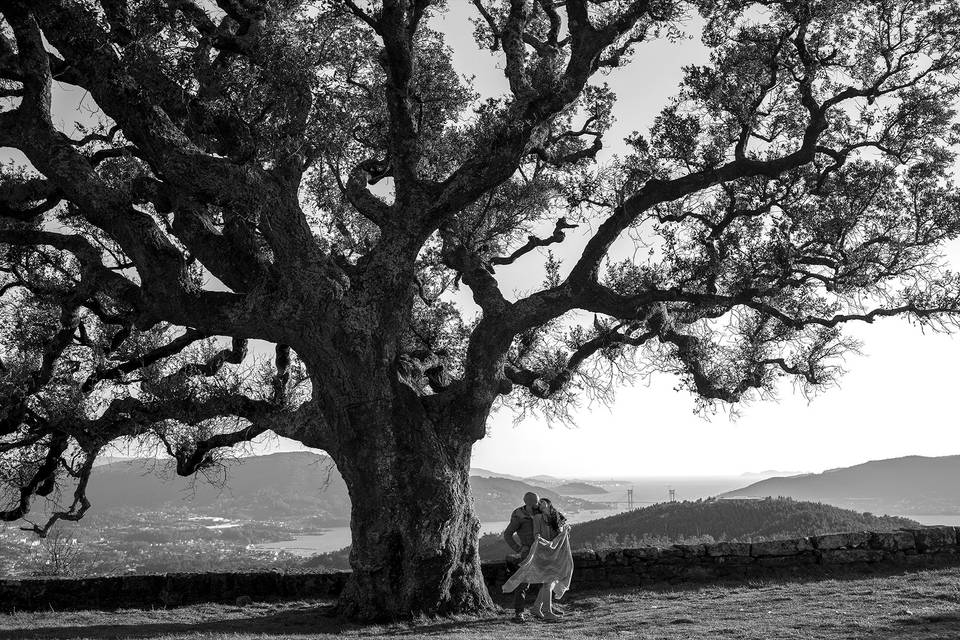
415,536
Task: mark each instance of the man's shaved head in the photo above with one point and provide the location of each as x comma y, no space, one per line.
531,499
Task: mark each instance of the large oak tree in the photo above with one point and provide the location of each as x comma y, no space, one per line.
315,174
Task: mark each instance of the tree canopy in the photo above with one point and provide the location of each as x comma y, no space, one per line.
317,174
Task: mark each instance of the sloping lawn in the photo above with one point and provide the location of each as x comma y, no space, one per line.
911,606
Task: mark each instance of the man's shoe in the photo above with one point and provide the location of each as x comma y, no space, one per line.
539,614
519,617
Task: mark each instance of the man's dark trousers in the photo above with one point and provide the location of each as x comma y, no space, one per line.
520,593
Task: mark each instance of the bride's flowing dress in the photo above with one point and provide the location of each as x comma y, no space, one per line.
548,561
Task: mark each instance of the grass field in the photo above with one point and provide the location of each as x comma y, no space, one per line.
921,605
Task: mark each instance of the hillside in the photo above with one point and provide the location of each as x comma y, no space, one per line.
727,520
579,489
736,520
277,486
486,473
913,484
261,487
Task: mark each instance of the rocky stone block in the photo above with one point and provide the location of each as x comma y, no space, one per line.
671,554
585,558
935,538
593,574
640,568
732,561
798,560
893,541
943,557
614,557
691,550
847,556
725,549
841,540
918,560
780,547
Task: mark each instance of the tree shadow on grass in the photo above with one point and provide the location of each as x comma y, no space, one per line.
448,626
938,626
308,619
311,619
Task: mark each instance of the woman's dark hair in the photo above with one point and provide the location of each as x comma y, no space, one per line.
555,519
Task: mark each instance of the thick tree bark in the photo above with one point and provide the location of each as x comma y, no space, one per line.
415,535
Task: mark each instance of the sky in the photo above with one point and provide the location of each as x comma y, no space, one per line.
899,398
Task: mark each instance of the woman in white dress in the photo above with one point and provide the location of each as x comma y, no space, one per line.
549,563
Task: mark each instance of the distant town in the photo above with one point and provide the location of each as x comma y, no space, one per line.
147,542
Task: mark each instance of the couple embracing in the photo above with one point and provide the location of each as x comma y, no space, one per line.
545,560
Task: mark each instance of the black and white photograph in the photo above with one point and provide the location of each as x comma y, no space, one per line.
479,319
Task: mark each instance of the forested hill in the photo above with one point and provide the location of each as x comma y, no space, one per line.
737,520
579,489
912,484
715,520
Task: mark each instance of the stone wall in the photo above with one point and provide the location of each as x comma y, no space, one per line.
831,554
166,590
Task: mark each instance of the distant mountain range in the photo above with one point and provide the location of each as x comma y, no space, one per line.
579,489
299,485
910,485
771,473
276,486
557,485
307,486
486,473
105,460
